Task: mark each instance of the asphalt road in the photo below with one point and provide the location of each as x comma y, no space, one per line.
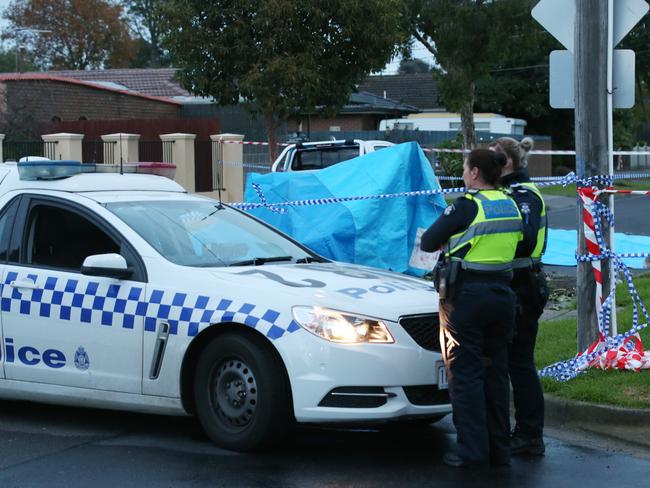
630,213
65,447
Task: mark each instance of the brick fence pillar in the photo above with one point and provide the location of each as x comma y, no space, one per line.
124,146
229,159
68,146
182,155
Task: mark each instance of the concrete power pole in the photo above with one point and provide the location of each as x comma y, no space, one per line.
591,133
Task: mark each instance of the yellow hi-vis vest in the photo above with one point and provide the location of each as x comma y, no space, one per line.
540,245
492,236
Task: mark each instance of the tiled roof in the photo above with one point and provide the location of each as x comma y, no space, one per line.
417,89
157,82
364,102
87,83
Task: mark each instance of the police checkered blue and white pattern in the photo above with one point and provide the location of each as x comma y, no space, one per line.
114,305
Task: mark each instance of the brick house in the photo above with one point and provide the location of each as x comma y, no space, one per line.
363,111
29,102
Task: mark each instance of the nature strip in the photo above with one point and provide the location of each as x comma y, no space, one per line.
623,351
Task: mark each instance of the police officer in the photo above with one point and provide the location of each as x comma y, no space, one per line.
479,234
530,287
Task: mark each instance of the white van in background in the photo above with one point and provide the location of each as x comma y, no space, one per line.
445,121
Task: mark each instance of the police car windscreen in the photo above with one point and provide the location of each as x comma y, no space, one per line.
201,233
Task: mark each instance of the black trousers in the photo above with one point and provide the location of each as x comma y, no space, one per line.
475,328
526,387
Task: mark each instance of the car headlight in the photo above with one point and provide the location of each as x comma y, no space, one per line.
341,327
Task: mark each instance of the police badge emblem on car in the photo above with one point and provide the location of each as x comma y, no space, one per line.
81,360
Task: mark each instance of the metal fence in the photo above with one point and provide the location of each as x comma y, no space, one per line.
256,159
93,151
204,169
151,151
14,150
155,151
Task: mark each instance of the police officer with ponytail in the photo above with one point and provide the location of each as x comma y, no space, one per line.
529,284
478,234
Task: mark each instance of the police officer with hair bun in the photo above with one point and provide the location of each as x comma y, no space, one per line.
478,234
529,285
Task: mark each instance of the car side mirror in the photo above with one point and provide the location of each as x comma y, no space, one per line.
111,265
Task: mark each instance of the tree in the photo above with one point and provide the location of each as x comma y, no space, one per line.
83,33
8,61
282,56
413,65
147,17
465,37
639,40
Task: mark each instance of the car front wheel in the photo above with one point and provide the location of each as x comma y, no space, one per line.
242,394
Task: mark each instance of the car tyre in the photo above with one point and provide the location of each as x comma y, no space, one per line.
242,394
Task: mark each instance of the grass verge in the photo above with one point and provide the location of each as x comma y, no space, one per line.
557,341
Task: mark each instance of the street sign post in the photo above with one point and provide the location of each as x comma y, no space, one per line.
562,76
594,78
558,17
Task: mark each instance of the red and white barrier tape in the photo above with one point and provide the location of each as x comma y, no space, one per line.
629,355
550,152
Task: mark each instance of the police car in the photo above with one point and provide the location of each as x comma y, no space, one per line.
123,291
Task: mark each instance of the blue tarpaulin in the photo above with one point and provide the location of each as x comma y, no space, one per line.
380,232
561,248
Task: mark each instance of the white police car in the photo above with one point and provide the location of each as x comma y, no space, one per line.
126,292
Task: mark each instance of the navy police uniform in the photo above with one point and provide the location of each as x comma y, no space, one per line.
480,233
529,285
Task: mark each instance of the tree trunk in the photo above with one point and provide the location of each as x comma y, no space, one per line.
467,119
271,129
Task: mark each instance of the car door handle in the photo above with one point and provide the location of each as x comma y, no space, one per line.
24,284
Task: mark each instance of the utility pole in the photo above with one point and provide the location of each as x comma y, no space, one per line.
591,133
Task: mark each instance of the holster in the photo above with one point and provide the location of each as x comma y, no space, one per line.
445,276
539,287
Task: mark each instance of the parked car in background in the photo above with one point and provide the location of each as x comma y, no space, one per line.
323,154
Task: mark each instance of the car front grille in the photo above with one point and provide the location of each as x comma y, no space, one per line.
424,329
426,395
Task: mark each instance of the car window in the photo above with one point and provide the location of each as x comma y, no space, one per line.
60,238
378,147
323,157
6,221
200,233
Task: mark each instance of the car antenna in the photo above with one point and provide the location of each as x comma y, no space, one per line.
219,170
121,161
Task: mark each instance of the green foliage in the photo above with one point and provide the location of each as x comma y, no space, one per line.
409,66
452,163
639,40
466,37
147,19
8,62
284,56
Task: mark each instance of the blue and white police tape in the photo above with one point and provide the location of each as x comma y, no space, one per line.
570,178
569,369
278,206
